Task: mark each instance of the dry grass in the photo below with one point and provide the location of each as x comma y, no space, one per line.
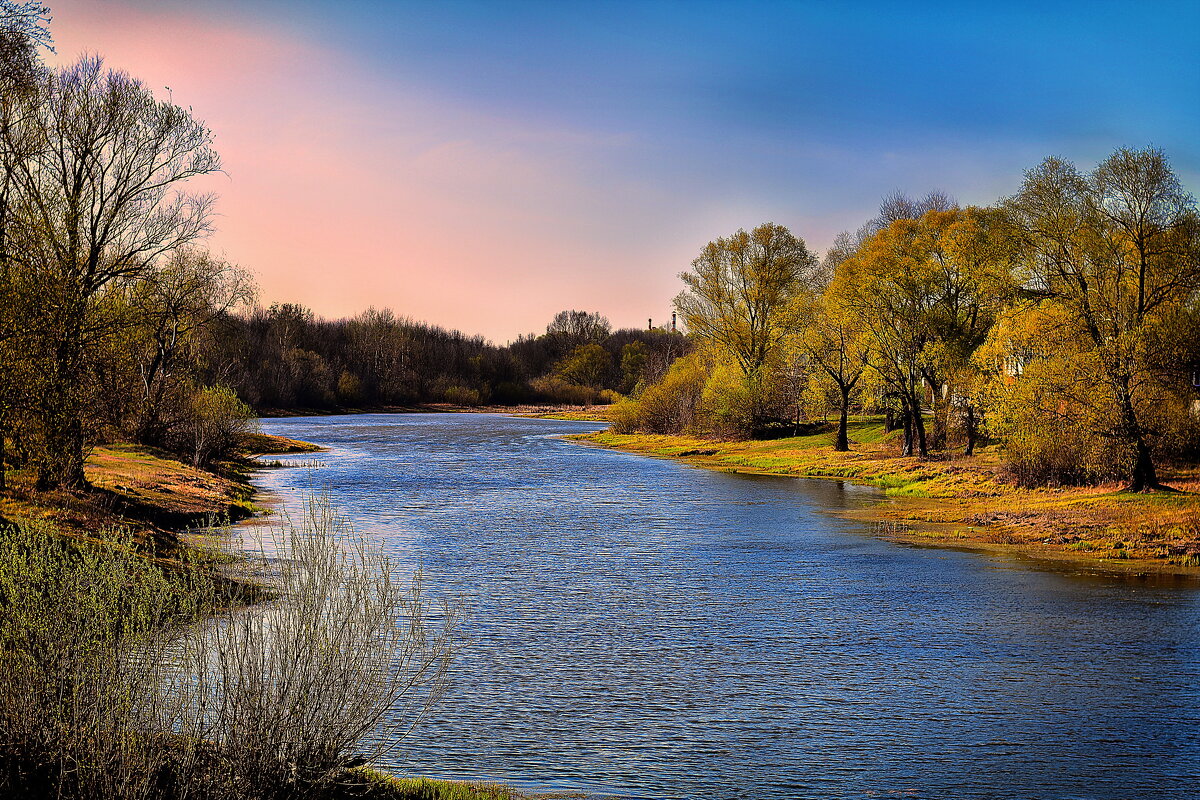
260,444
145,489
968,501
381,786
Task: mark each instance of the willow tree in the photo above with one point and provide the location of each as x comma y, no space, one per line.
1118,250
98,202
925,292
745,295
836,346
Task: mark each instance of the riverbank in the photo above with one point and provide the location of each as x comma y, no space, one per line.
157,499
147,490
968,502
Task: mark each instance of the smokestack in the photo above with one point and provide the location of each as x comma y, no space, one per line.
650,324
672,322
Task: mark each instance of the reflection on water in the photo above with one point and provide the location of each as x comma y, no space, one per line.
638,628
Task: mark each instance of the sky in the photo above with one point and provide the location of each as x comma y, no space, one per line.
484,165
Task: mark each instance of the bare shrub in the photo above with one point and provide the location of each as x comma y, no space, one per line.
109,688
336,671
556,390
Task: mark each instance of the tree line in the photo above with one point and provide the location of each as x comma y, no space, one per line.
284,357
1062,322
117,324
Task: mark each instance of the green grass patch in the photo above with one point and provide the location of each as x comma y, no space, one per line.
381,786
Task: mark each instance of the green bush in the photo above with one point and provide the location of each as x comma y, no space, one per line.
669,406
216,422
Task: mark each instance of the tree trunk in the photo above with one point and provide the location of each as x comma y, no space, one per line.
61,466
918,425
941,413
1143,476
972,430
906,421
843,438
940,402
61,460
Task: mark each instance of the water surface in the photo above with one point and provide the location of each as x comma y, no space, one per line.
641,629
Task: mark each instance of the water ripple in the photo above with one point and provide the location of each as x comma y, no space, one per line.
641,629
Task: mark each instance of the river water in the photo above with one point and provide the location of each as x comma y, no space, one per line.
637,628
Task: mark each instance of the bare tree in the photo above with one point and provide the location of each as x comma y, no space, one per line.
898,205
98,202
173,306
571,329
22,32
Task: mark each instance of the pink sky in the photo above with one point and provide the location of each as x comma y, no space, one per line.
342,192
484,165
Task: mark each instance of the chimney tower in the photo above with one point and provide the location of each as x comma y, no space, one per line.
672,322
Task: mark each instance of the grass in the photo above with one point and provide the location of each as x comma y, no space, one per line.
255,444
366,782
967,500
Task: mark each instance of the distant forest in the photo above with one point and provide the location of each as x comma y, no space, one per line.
285,358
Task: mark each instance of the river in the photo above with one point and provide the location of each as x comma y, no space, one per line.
637,628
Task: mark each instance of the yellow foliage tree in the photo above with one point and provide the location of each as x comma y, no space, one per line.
746,293
1118,251
924,293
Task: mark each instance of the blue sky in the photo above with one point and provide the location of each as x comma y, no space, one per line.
586,151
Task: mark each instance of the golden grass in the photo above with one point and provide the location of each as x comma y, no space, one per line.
144,489
259,444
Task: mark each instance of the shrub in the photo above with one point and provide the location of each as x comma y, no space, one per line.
109,689
585,366
1049,436
727,404
285,697
216,423
669,406
557,390
84,639
462,396
349,389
